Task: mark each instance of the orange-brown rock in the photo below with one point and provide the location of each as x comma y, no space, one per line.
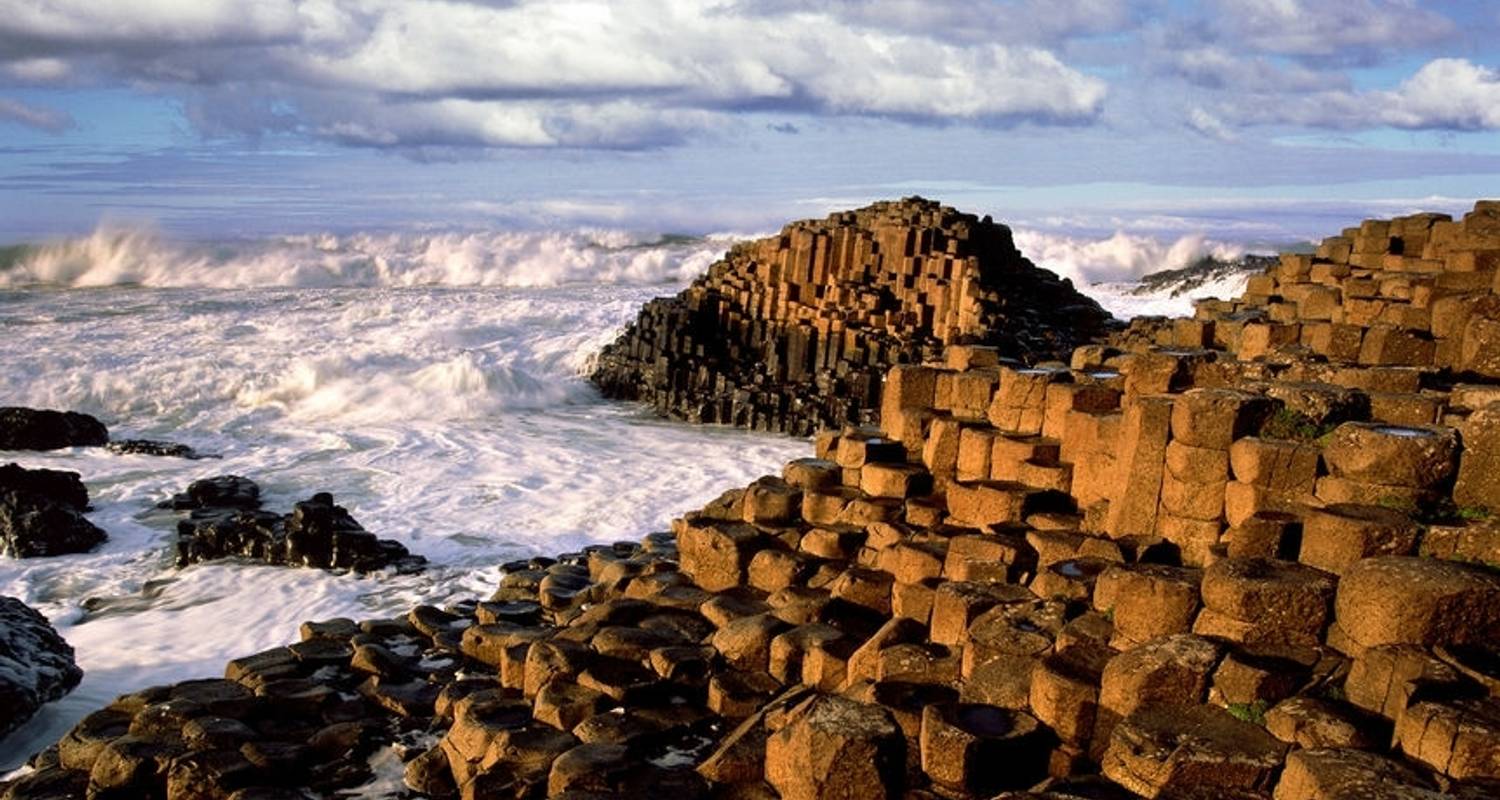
1338,536
832,747
1337,774
1391,455
1395,600
795,332
1162,748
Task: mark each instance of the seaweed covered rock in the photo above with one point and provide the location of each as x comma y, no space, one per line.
44,429
795,332
36,665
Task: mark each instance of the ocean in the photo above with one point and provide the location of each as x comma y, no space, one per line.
433,382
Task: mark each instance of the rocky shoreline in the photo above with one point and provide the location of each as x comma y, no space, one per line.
1252,554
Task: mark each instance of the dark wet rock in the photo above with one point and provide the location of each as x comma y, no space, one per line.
318,533
36,665
152,447
221,492
32,526
1206,270
64,488
42,429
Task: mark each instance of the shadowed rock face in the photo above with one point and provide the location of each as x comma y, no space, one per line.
794,332
226,521
41,513
40,429
36,665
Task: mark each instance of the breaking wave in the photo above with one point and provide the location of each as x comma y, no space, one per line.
1118,258
126,256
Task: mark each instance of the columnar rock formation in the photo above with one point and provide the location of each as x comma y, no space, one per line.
1182,567
795,332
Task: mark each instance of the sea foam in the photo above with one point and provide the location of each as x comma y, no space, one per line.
117,256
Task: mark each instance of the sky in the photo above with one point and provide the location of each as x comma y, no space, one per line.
1250,120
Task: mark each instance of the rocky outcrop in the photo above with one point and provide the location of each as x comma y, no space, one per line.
1203,272
58,486
41,513
36,665
795,332
39,429
226,521
1160,571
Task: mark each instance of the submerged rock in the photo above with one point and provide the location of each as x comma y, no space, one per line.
152,447
40,513
42,429
227,522
36,665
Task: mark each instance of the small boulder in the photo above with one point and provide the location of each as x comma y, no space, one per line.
41,429
36,665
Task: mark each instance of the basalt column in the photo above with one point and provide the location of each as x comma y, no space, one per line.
794,332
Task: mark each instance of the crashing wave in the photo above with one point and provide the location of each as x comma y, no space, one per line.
129,256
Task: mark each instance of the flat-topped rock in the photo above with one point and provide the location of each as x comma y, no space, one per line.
1396,600
44,429
1161,748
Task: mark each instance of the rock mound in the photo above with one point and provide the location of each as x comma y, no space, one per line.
36,665
795,332
41,429
226,521
41,513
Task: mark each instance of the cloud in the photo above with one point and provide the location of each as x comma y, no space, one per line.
1343,30
42,119
1216,67
1445,94
37,70
1011,21
1209,125
415,74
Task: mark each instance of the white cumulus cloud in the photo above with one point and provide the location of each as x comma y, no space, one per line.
1445,94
